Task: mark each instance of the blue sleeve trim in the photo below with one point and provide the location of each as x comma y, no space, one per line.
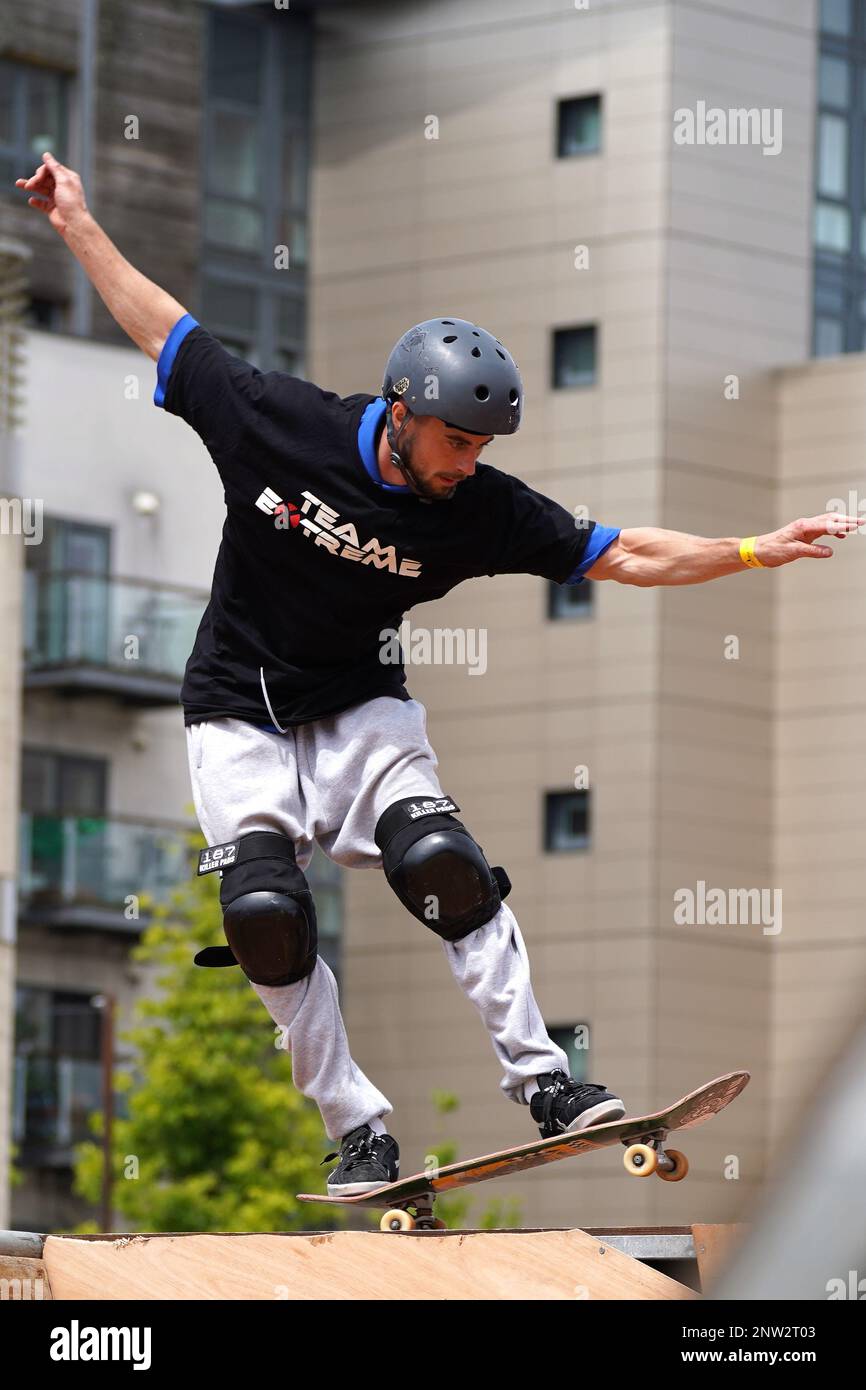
600,539
169,353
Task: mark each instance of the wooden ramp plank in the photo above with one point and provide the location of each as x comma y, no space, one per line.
342,1265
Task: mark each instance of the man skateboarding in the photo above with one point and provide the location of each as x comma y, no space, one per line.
341,514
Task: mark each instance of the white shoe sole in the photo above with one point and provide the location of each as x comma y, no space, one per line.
597,1115
352,1189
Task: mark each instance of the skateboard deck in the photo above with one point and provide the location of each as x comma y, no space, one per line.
644,1136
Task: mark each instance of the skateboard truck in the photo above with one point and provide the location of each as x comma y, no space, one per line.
422,1219
648,1156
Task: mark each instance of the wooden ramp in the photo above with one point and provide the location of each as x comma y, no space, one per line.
447,1265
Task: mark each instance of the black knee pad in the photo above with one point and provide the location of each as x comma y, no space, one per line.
436,868
268,913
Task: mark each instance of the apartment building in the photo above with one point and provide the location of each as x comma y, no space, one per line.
684,294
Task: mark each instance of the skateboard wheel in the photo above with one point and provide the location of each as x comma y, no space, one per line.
440,1225
641,1160
679,1170
397,1220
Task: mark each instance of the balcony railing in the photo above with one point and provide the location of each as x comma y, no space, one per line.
82,870
126,637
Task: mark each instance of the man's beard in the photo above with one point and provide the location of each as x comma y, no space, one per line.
420,488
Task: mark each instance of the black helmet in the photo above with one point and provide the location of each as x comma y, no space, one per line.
458,372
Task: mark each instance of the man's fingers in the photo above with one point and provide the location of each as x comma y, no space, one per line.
830,524
41,177
815,552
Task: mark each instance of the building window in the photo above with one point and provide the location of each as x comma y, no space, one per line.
574,356
33,118
256,157
566,821
839,233
566,1035
578,126
57,1074
49,315
569,600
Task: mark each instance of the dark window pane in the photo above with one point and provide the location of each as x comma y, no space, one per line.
833,156
233,154
7,104
85,549
76,1026
574,356
44,112
38,782
836,16
233,225
578,126
47,314
565,1035
830,298
290,362
229,306
292,232
290,318
566,821
832,228
12,168
295,75
82,787
833,81
569,600
236,60
829,337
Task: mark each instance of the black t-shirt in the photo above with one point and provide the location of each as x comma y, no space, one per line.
317,558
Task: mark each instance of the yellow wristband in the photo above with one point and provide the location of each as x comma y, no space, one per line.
747,553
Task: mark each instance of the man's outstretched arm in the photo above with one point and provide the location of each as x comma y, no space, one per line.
647,556
144,311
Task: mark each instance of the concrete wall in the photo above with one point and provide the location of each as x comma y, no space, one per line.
819,966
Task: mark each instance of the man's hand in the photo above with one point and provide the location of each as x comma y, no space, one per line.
143,310
647,556
56,191
796,540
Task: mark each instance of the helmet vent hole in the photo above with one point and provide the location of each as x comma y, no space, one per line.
482,393
475,333
476,352
449,323
450,338
500,353
512,396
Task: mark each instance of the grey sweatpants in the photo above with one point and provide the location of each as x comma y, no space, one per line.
329,781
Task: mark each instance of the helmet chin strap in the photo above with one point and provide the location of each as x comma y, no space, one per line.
398,462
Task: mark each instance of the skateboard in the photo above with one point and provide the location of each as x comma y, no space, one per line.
408,1202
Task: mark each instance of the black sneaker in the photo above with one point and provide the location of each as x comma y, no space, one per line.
562,1105
367,1161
